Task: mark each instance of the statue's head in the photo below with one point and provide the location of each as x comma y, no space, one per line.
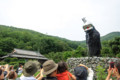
88,27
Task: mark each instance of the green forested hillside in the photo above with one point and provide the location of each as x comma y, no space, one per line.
107,37
11,37
52,47
110,36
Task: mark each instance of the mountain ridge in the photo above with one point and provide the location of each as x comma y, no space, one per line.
71,43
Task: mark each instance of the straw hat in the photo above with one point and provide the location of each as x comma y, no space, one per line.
49,67
30,68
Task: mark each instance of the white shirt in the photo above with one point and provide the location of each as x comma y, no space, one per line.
27,78
20,70
91,74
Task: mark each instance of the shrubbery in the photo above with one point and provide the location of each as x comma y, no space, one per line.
58,56
101,75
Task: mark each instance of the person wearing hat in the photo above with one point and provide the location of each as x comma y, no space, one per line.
49,70
30,68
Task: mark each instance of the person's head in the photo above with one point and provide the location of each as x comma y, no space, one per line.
116,69
81,73
20,65
30,68
50,68
12,75
62,67
1,75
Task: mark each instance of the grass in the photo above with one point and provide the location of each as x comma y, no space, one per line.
36,73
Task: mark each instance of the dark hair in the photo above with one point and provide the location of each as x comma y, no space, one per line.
118,67
20,65
11,67
41,66
62,66
11,75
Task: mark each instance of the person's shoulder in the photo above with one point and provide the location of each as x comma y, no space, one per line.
68,73
25,78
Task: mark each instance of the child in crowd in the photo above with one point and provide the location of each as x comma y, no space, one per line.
63,73
20,69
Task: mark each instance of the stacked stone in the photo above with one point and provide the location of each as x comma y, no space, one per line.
91,62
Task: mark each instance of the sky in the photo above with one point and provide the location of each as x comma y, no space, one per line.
61,17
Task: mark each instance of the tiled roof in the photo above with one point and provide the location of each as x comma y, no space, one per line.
25,54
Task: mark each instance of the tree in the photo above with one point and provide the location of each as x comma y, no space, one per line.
7,44
106,51
79,52
57,57
2,53
115,45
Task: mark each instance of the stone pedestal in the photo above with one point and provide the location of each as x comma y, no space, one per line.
91,62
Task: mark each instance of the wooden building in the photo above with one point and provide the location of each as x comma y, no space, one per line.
26,54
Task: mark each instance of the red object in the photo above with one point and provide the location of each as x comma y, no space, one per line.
64,76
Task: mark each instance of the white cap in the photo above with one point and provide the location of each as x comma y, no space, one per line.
85,21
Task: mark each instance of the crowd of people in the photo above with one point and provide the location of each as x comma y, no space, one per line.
7,72
50,70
